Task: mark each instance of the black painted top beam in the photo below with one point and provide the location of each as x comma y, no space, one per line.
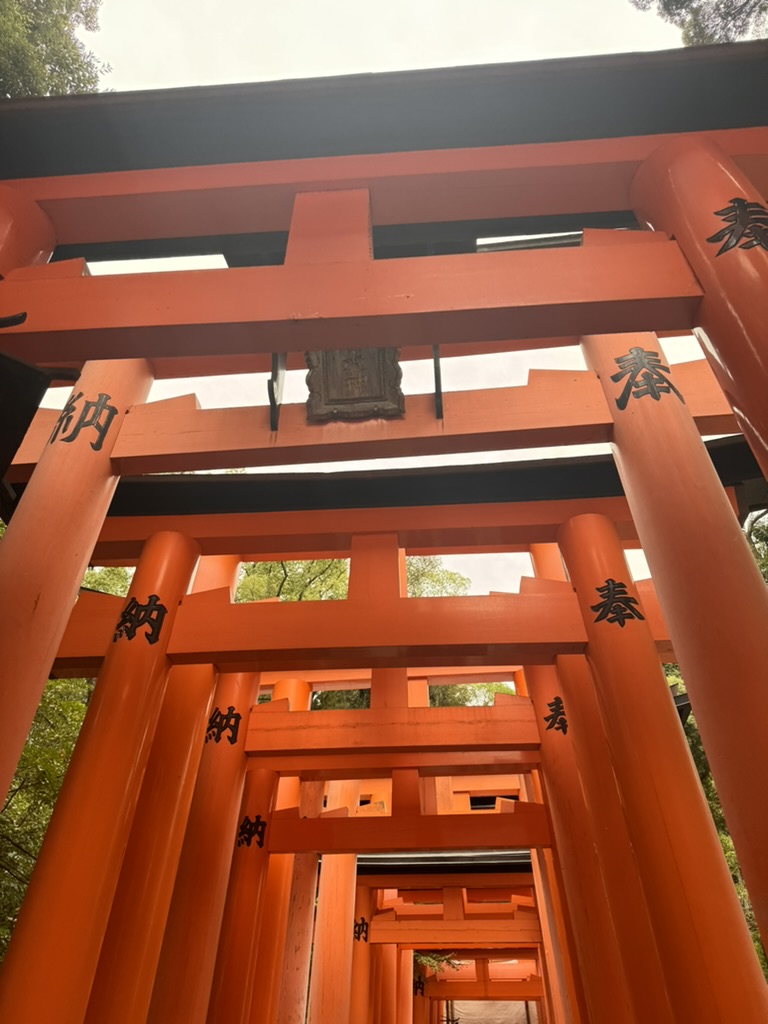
691,89
551,479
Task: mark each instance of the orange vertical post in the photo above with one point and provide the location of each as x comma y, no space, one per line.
77,871
374,1014
420,1008
712,972
605,984
386,995
188,956
405,986
263,975
695,192
294,981
233,977
330,979
564,990
123,985
128,961
605,819
360,998
42,568
714,599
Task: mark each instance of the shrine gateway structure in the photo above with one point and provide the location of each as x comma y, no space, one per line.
558,844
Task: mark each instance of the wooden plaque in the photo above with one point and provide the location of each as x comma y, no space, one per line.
354,384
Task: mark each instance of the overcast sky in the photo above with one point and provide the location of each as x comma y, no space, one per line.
163,43
166,43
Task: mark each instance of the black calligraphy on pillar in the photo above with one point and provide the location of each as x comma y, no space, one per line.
221,722
645,375
97,414
557,720
14,320
136,615
251,829
418,985
616,604
360,930
746,226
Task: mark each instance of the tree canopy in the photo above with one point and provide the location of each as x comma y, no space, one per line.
40,52
711,21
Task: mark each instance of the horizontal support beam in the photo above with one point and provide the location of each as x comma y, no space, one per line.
502,526
428,186
524,629
393,730
525,827
437,880
555,407
497,990
451,299
448,934
380,766
341,634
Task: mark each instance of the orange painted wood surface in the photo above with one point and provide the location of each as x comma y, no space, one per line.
491,296
394,730
555,407
527,628
418,187
498,990
379,766
448,934
438,880
329,634
526,826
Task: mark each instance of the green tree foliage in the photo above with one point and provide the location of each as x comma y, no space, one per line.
756,531
40,53
40,773
693,736
319,580
711,21
327,580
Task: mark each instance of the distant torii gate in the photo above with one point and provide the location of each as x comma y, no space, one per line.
178,878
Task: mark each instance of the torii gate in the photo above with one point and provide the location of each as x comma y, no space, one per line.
177,880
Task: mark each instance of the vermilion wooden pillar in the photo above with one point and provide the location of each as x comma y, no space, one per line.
714,599
126,973
564,999
56,944
330,979
41,567
294,981
420,1009
360,1000
712,972
271,925
692,190
605,984
605,818
386,993
188,956
233,977
405,986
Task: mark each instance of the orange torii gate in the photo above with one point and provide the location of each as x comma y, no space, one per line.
179,874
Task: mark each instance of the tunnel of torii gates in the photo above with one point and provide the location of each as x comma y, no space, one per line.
558,843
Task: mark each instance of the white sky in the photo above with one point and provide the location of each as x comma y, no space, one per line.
166,43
